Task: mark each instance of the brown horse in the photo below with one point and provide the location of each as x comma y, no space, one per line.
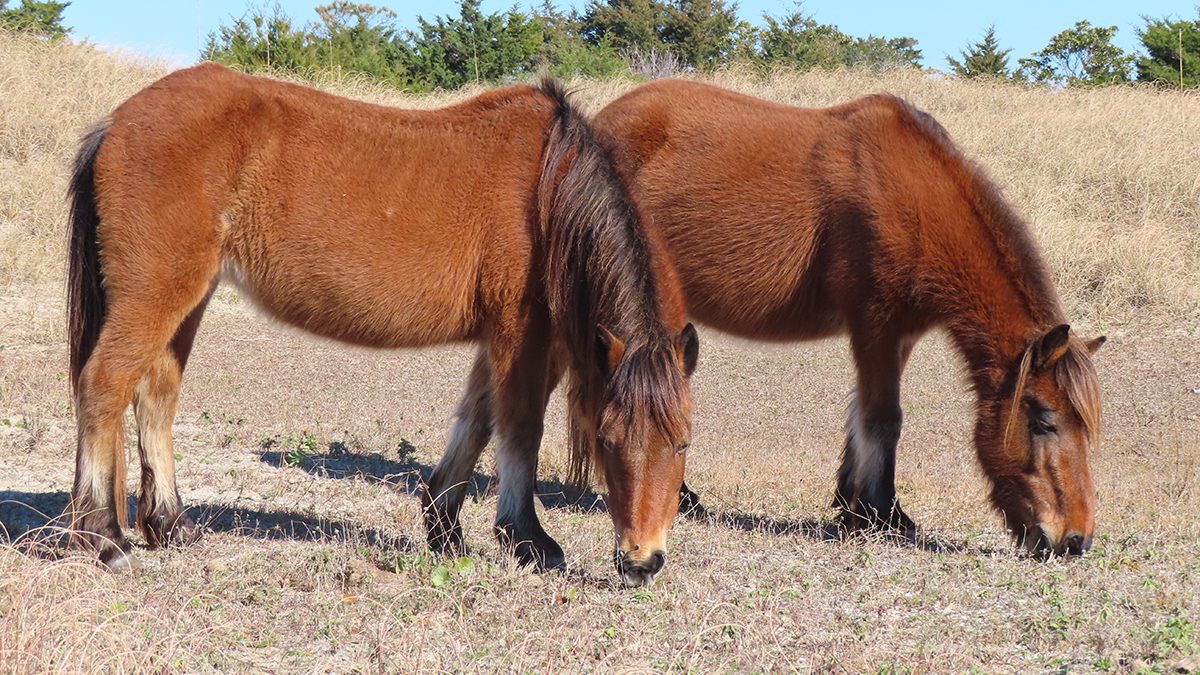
794,224
498,220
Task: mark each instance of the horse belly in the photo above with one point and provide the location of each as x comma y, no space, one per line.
419,297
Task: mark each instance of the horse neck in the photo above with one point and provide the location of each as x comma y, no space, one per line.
995,304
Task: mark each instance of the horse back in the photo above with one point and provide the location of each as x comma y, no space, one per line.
782,220
364,223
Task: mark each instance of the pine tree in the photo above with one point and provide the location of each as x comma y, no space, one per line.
39,18
1168,43
982,59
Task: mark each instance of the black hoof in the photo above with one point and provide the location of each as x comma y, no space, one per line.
443,531
169,530
444,536
862,517
689,504
532,548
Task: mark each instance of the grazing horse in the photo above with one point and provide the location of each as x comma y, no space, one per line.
864,218
499,220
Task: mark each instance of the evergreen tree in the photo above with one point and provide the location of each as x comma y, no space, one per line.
1168,43
38,18
1080,56
565,53
627,25
701,32
796,39
982,59
474,47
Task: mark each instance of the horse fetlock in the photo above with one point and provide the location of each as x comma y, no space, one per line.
689,504
443,531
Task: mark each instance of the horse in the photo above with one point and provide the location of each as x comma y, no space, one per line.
499,220
865,219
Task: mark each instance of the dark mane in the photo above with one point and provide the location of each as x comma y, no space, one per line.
600,272
1009,234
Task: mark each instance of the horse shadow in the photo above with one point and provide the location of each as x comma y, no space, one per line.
410,476
823,531
34,520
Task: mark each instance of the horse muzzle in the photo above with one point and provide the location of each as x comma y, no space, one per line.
1040,543
637,572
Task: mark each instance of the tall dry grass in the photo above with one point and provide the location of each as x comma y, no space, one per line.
1108,178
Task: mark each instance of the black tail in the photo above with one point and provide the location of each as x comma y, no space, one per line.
86,304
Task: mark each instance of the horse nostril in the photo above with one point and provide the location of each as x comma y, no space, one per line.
1075,544
655,564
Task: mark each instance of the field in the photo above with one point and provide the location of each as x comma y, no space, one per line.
303,457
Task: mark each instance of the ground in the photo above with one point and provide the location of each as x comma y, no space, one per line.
302,457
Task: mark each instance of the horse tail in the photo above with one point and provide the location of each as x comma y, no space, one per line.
580,199
86,302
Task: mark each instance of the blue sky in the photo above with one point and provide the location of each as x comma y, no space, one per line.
175,29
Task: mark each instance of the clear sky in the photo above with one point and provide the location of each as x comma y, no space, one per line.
175,30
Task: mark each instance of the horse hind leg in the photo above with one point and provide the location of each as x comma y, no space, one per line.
133,337
160,515
866,491
446,489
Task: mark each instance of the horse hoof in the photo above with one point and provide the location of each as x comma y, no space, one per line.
537,549
117,560
170,531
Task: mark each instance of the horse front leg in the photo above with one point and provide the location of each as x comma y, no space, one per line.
523,380
866,491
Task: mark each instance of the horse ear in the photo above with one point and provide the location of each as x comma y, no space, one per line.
1095,344
687,349
1051,346
609,348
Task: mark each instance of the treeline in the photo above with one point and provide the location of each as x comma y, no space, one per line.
647,37
652,37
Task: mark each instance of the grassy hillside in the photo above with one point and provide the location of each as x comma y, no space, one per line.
314,560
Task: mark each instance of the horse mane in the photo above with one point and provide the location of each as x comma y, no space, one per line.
600,271
1007,230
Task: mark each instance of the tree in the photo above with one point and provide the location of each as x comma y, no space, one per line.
564,51
628,25
1080,56
701,32
43,19
982,59
1170,47
474,47
796,39
259,41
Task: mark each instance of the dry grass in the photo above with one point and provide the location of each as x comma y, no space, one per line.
319,566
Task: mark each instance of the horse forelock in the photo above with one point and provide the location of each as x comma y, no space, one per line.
647,396
1075,375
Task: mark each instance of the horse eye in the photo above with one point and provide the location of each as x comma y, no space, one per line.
682,448
1040,422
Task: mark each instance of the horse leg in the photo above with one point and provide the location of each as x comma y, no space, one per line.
133,337
447,487
160,515
523,380
866,490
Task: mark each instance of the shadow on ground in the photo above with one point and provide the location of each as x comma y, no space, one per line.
36,517
410,476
